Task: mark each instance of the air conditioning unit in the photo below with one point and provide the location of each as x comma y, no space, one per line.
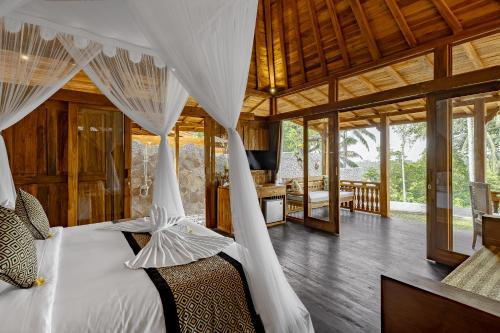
272,210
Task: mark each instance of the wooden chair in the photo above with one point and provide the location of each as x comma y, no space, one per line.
480,197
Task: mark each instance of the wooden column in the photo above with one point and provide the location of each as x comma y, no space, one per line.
333,158
479,141
177,150
127,147
210,181
384,166
305,163
333,171
72,164
273,106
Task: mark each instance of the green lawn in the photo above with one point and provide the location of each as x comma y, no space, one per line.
458,222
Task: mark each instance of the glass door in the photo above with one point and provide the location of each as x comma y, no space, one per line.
321,183
463,172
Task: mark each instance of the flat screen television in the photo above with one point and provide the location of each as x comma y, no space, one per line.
262,159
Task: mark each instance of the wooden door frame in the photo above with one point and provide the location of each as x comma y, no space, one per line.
73,177
441,250
333,225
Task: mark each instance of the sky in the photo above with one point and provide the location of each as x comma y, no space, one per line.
412,154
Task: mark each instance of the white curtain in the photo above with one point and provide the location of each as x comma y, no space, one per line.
33,66
143,88
209,44
7,6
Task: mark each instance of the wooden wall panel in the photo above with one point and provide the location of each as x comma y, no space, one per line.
37,149
40,159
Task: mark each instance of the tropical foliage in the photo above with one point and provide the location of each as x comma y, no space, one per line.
350,138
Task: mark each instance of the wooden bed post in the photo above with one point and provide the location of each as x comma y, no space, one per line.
384,166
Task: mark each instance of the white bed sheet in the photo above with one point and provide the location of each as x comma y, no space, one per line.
30,310
97,293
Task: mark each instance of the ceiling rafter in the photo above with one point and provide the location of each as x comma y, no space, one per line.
298,40
337,28
256,106
396,76
367,33
317,36
269,43
281,27
293,104
260,47
447,14
310,101
472,54
402,23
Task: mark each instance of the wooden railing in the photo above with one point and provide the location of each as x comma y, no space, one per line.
366,195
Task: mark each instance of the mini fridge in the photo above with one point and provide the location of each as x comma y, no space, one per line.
272,210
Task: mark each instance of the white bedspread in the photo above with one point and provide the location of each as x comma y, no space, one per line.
97,293
88,288
30,310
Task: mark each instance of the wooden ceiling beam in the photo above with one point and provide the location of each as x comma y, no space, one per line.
281,26
332,11
313,16
298,40
401,21
470,83
269,43
367,33
446,13
258,93
486,29
261,59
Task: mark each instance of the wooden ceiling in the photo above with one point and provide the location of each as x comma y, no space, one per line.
369,45
303,41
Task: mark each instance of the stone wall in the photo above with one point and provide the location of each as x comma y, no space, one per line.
191,178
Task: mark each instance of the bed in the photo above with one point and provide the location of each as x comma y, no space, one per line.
88,288
318,199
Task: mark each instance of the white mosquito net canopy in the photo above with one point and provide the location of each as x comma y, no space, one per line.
147,56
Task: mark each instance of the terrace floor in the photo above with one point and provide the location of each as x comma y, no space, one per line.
338,278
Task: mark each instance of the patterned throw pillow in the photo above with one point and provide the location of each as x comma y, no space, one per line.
31,213
325,183
18,263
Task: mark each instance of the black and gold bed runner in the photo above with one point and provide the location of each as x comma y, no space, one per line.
208,295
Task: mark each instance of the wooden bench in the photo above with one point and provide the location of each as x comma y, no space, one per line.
415,304
315,184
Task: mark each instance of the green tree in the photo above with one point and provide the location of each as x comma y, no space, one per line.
409,134
349,138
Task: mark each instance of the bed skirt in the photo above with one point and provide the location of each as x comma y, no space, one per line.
208,295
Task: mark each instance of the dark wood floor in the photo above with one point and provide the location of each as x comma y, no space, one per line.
338,278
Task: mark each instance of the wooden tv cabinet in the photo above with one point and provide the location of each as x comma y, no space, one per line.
264,191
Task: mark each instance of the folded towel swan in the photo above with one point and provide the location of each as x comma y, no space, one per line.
171,243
